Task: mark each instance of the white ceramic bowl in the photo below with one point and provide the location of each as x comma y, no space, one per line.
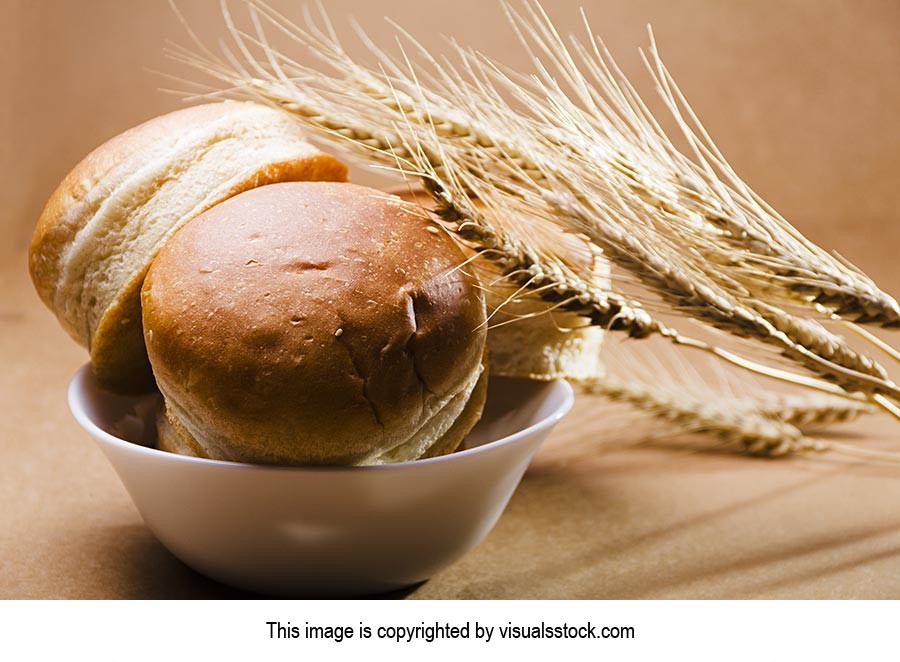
323,531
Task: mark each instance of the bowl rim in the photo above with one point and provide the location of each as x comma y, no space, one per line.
78,384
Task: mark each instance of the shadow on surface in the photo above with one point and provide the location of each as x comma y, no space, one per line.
140,568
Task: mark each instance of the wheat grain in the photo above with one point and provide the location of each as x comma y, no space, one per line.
808,410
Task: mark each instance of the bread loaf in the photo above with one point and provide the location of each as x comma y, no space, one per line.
314,323
105,222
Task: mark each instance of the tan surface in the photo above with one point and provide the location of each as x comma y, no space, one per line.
803,96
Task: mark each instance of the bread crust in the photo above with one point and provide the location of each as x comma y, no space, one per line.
172,437
314,323
80,234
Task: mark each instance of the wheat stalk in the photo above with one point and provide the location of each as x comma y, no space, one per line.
763,244
757,432
767,428
527,168
711,401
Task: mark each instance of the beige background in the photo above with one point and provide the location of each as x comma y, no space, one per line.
802,96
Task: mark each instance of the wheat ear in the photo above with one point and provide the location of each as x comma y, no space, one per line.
769,430
758,433
809,409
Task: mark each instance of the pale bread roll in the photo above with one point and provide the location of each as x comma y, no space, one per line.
105,222
527,339
314,324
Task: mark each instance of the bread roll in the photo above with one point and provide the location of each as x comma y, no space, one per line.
527,338
530,339
105,222
314,324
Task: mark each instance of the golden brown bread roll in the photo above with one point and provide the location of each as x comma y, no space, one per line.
105,222
314,323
